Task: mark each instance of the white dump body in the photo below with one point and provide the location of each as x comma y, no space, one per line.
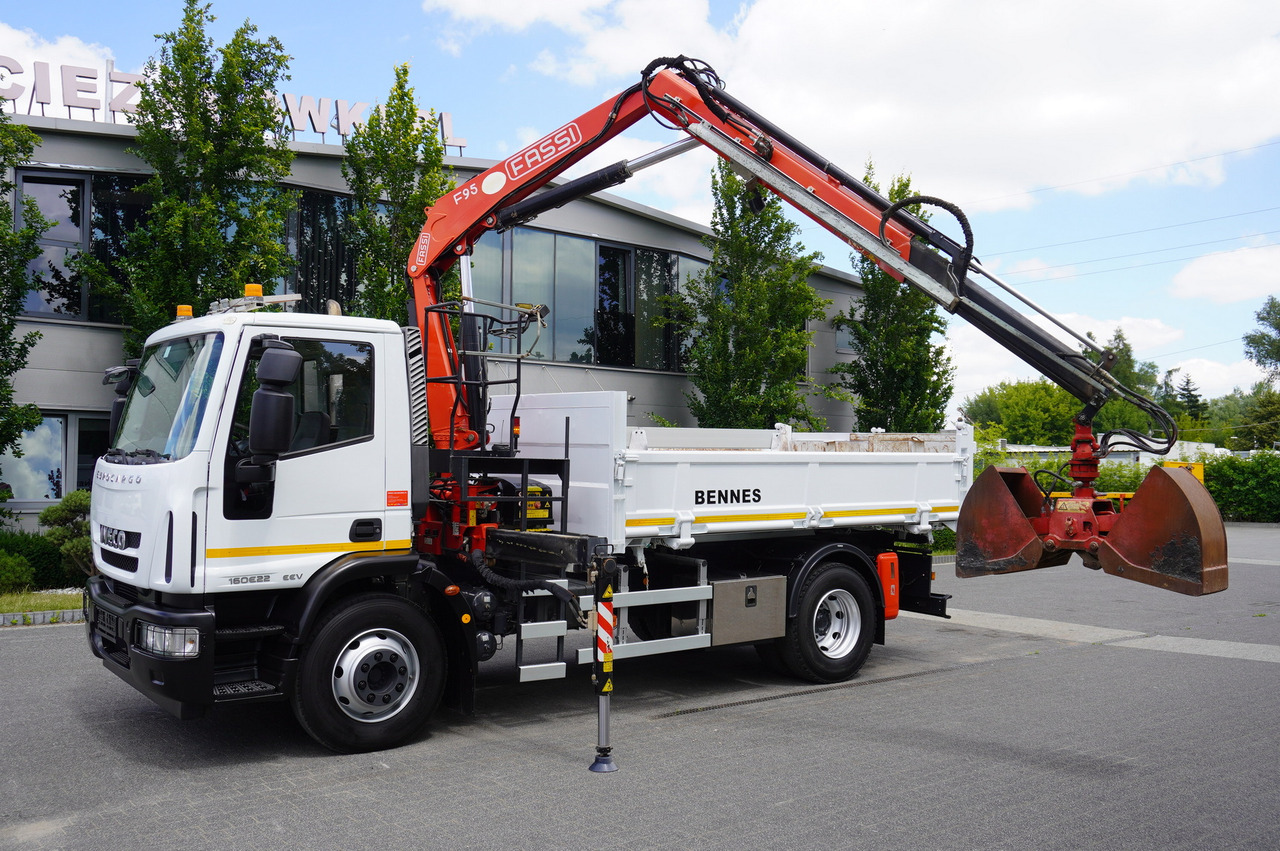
676,486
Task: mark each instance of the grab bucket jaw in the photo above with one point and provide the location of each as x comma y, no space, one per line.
1169,535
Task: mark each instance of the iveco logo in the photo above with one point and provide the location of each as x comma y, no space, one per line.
117,539
118,478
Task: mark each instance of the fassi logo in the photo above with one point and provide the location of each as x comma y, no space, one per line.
547,148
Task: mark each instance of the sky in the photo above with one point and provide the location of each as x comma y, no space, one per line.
1119,161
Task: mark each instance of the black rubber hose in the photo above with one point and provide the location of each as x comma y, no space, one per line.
960,263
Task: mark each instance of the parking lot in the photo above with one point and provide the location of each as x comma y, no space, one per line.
1061,708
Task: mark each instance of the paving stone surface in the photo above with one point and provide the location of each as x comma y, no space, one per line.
985,734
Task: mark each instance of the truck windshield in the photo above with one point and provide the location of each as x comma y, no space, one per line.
167,402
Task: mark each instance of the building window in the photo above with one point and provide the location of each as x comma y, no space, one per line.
615,331
605,298
89,213
61,200
572,312
324,265
41,474
656,275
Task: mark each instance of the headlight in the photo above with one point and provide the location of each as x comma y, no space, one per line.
169,640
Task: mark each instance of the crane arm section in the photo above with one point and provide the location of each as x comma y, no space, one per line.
687,95
1172,535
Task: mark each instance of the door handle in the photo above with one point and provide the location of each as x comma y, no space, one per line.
367,529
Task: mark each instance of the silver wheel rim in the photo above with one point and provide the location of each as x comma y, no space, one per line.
837,623
375,675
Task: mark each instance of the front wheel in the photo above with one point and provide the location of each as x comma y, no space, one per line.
371,675
831,636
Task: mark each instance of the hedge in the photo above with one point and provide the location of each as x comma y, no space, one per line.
43,556
1246,489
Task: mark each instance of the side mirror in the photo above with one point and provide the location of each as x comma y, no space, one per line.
122,377
271,414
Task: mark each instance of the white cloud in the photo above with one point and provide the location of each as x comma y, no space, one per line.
1226,277
1215,378
980,105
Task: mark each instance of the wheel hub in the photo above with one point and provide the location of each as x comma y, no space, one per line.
837,624
375,675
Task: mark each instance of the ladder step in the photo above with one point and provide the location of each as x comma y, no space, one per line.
547,671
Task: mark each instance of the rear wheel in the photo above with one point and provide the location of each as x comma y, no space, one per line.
831,636
371,674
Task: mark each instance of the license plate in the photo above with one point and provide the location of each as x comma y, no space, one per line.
108,623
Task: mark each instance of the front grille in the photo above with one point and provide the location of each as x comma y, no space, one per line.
123,591
120,560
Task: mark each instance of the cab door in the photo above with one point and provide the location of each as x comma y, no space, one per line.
328,496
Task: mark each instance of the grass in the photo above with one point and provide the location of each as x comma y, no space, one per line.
39,601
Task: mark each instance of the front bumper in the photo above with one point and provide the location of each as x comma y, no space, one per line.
182,686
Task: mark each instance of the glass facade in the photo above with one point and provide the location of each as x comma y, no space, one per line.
605,298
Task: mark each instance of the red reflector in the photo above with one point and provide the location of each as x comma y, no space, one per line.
887,567
452,590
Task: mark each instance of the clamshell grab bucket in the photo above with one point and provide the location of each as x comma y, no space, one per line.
1169,534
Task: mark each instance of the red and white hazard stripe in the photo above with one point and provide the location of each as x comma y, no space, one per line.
604,629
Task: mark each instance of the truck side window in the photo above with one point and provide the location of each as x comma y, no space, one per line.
333,406
335,393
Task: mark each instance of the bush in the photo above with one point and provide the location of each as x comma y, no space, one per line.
68,524
1246,489
1120,477
42,555
15,573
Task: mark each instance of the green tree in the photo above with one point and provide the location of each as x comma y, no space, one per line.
1189,396
1038,412
1262,419
1139,376
901,378
1166,395
1263,345
18,248
742,323
210,126
395,167
1224,420
68,525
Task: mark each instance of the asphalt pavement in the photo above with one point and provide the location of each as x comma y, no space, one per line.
1058,709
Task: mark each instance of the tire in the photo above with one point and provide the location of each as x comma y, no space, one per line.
371,674
830,638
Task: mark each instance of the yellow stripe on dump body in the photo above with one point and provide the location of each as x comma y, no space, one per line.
741,518
303,549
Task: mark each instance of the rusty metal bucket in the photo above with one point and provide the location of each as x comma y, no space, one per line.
1169,535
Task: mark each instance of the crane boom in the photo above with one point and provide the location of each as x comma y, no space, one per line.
687,95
